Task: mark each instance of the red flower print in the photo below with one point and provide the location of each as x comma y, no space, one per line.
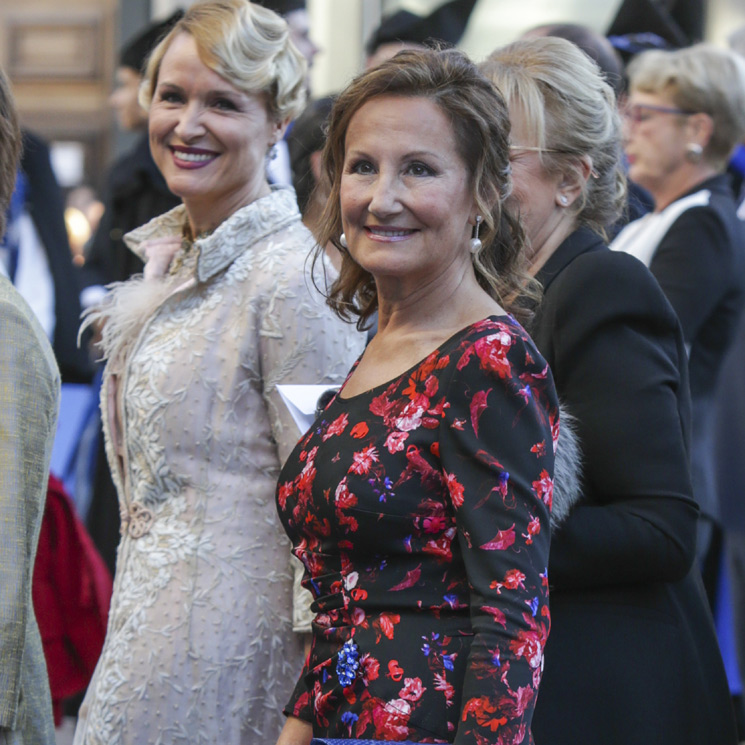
433,523
501,541
496,614
394,443
539,449
455,488
412,690
395,671
478,406
411,416
359,430
530,646
544,488
363,460
343,497
555,426
336,427
485,713
492,353
392,720
513,579
534,528
441,684
442,548
385,625
285,490
411,578
370,668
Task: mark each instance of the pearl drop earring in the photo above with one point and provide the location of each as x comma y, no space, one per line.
476,244
343,241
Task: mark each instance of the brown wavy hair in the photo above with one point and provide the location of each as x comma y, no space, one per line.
10,147
480,121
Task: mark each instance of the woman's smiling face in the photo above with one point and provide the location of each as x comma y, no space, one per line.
208,138
406,199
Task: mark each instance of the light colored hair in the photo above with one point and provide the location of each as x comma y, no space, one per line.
566,106
480,122
244,43
699,79
10,147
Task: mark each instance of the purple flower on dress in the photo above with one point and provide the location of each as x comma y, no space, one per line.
347,663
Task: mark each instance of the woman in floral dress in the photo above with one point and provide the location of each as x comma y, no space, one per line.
419,500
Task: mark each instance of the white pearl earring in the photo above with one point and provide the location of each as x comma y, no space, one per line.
476,244
343,241
564,199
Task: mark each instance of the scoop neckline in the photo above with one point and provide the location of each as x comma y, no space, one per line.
461,332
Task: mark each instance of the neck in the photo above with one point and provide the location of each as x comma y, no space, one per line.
452,300
206,215
542,252
687,178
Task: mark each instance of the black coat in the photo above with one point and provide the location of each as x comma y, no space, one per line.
632,657
135,194
46,207
700,265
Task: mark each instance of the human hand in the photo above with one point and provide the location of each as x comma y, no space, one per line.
159,253
295,732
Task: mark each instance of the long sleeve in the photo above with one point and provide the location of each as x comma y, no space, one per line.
693,264
302,342
29,397
619,366
497,459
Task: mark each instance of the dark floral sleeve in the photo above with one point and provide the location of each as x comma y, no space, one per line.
496,450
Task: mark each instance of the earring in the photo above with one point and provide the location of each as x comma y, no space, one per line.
343,241
476,244
694,151
564,199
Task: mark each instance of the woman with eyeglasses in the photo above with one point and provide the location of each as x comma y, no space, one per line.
632,657
686,114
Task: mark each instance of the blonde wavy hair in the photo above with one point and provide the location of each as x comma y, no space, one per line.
570,112
244,43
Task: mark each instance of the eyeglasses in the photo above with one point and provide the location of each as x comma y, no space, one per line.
534,149
638,112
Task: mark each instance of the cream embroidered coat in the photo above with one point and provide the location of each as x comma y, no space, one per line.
200,647
29,404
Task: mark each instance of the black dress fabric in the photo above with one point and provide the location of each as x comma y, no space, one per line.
420,510
632,658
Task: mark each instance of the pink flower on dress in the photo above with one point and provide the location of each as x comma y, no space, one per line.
455,488
395,442
544,488
412,690
336,427
363,460
529,645
492,353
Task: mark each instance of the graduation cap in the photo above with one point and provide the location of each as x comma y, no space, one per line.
135,52
283,7
645,20
447,23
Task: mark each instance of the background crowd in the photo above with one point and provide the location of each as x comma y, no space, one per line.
518,518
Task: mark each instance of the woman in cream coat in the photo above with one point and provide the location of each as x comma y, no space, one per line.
200,647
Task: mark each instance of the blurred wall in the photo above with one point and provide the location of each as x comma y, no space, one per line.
58,58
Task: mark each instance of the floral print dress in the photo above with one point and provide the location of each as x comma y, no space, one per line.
420,510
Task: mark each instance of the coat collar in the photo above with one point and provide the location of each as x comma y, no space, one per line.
243,229
580,241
